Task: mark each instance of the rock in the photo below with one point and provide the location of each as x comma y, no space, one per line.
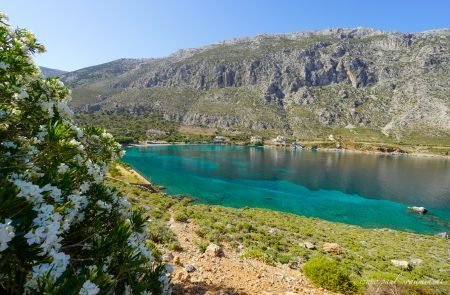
421,210
416,261
168,257
442,235
214,250
309,245
177,260
401,264
332,248
190,268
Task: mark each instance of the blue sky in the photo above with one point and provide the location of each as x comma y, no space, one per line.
81,33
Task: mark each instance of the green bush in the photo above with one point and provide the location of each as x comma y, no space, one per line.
328,274
63,229
181,216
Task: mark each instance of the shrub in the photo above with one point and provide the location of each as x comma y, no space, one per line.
62,229
180,216
328,274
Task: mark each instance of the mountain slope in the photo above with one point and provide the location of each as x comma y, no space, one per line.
302,84
48,72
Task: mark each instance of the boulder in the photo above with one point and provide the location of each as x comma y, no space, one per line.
190,268
401,264
332,248
416,261
421,210
214,250
168,257
177,260
309,245
442,235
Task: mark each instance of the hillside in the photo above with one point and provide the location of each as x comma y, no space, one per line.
48,72
307,84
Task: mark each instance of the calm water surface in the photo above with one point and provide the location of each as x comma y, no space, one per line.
362,189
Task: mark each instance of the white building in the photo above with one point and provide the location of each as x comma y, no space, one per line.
219,139
280,139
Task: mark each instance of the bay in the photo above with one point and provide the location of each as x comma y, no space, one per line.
368,190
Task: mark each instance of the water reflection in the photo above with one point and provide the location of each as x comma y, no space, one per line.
407,180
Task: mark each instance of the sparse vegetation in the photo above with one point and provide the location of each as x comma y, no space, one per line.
275,237
328,274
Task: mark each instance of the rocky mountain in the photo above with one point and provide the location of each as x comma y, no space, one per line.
48,72
302,84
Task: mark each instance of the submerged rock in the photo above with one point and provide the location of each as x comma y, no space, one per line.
421,210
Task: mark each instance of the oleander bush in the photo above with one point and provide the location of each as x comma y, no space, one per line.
63,230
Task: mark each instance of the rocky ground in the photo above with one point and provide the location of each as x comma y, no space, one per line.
219,270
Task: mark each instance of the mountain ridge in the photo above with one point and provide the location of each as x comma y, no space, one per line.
302,83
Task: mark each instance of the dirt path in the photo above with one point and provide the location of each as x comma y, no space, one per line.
229,274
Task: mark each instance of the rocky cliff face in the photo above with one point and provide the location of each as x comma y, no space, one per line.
300,84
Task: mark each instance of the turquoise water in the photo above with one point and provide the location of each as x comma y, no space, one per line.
371,191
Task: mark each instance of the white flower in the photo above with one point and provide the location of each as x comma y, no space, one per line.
104,205
48,107
62,168
64,109
9,144
77,144
84,187
29,191
16,112
146,293
4,65
89,288
53,270
55,192
128,290
6,234
59,263
107,135
23,94
36,236
41,134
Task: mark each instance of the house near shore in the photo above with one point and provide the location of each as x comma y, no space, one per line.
280,140
256,139
219,139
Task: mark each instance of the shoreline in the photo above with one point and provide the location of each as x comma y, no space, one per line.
413,154
192,198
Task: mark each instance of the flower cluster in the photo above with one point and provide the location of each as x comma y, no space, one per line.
61,226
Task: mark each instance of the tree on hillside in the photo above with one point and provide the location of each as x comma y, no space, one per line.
63,230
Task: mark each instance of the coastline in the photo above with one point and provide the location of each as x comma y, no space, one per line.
369,152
